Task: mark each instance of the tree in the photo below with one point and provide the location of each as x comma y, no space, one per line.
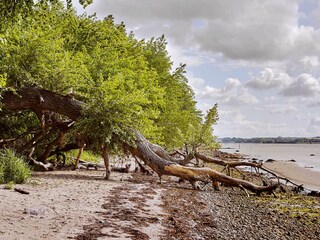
71,81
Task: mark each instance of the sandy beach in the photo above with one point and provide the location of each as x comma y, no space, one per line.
61,203
291,170
81,205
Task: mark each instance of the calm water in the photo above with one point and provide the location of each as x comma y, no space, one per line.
299,152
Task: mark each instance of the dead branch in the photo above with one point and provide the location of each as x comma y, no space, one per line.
19,190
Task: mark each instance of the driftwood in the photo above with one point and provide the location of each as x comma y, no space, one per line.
124,169
162,167
19,190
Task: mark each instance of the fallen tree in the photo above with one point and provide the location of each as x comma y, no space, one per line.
45,104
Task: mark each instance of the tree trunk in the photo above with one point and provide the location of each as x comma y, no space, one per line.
164,167
37,99
105,156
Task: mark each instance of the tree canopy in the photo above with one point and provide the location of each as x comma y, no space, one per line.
124,82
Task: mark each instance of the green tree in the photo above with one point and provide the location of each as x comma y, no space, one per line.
125,83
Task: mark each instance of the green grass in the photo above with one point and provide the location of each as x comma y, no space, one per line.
305,208
13,168
86,156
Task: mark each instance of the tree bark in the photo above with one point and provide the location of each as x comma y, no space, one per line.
105,156
37,99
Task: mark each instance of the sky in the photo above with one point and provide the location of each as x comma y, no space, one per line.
259,60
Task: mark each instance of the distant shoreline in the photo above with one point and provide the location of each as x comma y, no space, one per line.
267,143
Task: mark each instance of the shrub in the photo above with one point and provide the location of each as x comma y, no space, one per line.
12,167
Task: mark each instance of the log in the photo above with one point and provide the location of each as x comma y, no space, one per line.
163,167
124,169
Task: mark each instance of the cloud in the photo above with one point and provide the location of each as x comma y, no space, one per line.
282,109
310,62
305,85
315,121
313,103
269,78
242,30
235,123
271,99
231,94
231,83
306,64
242,98
314,125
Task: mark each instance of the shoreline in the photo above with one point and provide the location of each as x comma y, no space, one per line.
309,178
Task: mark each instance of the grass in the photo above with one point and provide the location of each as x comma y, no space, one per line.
13,168
9,185
304,208
86,156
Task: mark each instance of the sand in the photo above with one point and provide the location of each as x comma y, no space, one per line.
62,203
81,205
291,170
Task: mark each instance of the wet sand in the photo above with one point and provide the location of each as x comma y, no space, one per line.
291,170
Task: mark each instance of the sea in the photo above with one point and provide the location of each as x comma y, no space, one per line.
305,155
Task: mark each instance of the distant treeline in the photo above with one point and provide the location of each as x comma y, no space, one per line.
270,140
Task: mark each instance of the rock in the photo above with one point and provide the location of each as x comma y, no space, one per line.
312,155
270,160
314,193
292,160
35,211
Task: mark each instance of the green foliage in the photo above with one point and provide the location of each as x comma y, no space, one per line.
125,83
9,185
12,10
86,156
12,167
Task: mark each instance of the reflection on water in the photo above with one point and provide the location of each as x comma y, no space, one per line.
306,155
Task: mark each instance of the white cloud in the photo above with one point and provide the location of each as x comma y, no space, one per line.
310,62
232,93
271,99
196,83
242,98
269,78
244,29
306,64
232,83
283,109
305,85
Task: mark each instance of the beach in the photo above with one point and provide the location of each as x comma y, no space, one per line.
309,178
82,205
